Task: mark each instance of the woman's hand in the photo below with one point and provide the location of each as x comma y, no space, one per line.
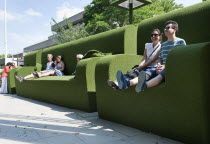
138,68
160,68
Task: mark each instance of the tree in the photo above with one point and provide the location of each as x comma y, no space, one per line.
169,5
95,7
157,7
3,56
100,16
9,55
69,32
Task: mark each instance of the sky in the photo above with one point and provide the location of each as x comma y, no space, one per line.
29,21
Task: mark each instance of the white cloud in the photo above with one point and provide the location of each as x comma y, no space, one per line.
27,38
13,16
10,16
24,40
188,2
66,11
32,12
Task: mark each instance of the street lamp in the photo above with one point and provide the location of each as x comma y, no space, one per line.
130,5
5,30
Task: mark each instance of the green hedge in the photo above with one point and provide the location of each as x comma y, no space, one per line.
178,109
11,81
30,59
39,57
193,23
122,40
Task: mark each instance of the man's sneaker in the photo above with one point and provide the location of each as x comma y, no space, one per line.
20,79
122,81
113,85
141,82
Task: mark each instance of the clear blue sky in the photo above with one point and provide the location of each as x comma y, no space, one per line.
29,20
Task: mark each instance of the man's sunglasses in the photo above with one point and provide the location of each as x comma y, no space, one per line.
168,27
152,35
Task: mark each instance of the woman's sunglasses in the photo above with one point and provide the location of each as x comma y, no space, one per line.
152,35
168,27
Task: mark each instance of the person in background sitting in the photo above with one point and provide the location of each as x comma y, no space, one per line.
78,58
49,67
58,71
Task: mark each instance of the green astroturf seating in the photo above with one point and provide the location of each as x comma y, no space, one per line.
78,92
32,61
179,108
11,81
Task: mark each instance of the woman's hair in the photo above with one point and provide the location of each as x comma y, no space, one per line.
50,55
9,63
79,56
159,33
60,57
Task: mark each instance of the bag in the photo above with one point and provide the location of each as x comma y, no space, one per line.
132,74
135,73
95,53
58,73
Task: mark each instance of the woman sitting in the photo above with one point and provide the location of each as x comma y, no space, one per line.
58,71
147,64
49,67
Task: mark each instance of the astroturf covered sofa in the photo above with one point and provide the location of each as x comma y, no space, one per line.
78,92
179,108
30,63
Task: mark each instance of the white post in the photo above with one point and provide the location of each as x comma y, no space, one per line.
5,30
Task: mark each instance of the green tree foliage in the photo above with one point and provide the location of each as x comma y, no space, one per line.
3,56
95,7
100,16
9,55
169,5
69,32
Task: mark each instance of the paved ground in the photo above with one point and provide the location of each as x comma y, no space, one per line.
28,121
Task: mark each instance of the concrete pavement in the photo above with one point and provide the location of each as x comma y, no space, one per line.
24,121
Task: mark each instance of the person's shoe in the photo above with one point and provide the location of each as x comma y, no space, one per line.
141,82
122,81
20,79
112,84
36,75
